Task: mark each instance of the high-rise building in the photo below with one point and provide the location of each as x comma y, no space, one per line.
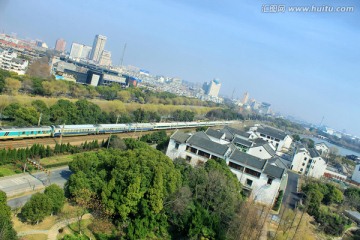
264,108
86,52
105,59
212,88
245,98
98,47
76,50
60,45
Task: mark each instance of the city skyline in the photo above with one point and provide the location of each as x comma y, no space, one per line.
304,64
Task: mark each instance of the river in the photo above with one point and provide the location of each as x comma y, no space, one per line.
342,151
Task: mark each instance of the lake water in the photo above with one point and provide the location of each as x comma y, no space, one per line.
342,151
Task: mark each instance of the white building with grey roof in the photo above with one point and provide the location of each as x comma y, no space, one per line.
262,149
260,177
279,139
322,148
308,162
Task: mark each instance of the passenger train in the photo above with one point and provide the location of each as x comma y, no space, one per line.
73,130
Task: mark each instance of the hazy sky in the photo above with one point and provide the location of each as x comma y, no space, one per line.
304,64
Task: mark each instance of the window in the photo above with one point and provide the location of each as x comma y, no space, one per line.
301,169
252,172
249,182
303,164
177,145
305,159
236,166
23,133
203,154
270,179
188,158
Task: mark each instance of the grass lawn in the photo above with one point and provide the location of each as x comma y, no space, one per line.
84,227
35,237
6,171
56,160
44,225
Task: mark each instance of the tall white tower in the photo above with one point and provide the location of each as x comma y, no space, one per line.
98,47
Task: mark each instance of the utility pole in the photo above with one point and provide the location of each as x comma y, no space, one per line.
39,119
61,133
122,56
117,119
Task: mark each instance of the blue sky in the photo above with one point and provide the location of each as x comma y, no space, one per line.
304,64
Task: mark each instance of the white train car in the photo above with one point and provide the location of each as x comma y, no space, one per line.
112,128
73,130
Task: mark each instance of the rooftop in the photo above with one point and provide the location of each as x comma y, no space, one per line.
313,153
213,133
274,171
180,136
208,145
247,159
243,142
276,133
235,131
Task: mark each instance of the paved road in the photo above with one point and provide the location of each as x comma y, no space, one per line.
290,196
22,183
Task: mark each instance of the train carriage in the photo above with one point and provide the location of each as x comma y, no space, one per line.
73,130
137,127
112,128
24,132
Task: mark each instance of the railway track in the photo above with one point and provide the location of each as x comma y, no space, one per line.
73,140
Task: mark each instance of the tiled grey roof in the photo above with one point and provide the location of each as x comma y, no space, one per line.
274,171
259,142
272,132
228,135
214,133
279,162
210,146
247,159
180,137
242,142
269,149
237,132
313,152
202,135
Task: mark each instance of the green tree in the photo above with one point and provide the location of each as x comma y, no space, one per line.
132,185
296,137
42,108
88,112
37,208
64,111
57,197
6,226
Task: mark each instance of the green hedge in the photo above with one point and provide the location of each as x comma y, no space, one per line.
278,201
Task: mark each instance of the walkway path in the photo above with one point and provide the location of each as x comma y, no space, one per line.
54,230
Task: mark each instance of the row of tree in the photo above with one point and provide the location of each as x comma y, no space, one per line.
80,112
13,84
38,151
